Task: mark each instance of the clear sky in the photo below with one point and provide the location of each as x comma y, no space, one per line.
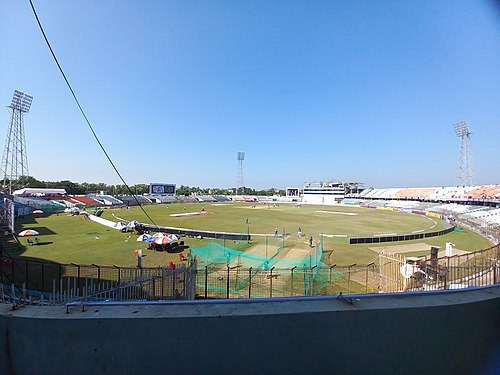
310,90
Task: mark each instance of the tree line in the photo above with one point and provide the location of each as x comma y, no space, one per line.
75,188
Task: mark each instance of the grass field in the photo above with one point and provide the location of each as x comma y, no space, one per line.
73,239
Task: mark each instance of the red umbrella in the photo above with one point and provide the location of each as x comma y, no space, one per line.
171,237
163,240
28,232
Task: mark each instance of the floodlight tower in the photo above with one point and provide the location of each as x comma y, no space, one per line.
465,169
15,160
239,178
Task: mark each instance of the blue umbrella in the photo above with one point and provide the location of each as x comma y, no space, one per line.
145,237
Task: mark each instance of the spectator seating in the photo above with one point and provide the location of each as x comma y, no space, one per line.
366,192
86,201
484,192
415,193
107,200
131,200
205,198
222,198
163,198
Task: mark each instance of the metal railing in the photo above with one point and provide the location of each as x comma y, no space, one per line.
479,268
49,283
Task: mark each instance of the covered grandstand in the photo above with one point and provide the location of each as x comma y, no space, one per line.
484,219
466,194
479,204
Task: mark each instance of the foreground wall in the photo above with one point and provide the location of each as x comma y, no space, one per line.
448,332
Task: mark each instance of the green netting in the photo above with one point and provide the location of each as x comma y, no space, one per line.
232,244
263,255
252,272
216,254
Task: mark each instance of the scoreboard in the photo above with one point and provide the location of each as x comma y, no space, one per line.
162,189
292,192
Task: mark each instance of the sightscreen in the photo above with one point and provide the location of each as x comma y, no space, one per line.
292,192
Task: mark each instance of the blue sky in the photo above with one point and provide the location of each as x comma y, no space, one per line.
309,90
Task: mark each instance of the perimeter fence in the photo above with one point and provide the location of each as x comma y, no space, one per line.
479,268
49,283
239,282
60,283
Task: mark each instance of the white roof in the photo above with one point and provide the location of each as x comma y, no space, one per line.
39,191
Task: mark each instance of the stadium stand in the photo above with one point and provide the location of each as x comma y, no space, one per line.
63,201
403,204
487,192
476,215
376,193
478,210
415,193
267,198
106,200
222,198
77,200
424,206
452,193
484,192
350,201
154,199
187,199
452,208
483,220
86,201
471,213
444,193
238,198
366,192
163,198
131,200
390,193
40,204
205,198
68,201
481,213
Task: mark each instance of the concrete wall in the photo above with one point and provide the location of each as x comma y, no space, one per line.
448,332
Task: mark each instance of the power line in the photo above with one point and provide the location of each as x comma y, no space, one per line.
84,115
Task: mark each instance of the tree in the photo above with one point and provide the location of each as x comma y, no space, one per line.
75,188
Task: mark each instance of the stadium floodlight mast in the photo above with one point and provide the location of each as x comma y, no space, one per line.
465,169
21,101
239,177
15,160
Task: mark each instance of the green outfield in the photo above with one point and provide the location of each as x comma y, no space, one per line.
73,239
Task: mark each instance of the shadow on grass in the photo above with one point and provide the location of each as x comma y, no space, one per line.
43,231
41,243
68,281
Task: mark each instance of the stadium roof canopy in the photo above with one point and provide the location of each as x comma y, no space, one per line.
39,192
